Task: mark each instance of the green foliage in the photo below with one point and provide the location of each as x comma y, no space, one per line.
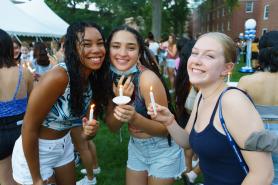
113,13
174,16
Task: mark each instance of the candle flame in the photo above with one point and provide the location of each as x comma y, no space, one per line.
92,106
151,88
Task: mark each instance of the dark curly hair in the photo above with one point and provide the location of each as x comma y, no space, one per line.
40,54
6,50
101,91
268,51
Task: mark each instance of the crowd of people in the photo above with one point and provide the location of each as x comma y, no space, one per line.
206,132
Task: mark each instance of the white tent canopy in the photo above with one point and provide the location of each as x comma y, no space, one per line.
17,22
39,10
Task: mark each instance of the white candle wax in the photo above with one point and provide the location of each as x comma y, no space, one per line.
229,77
152,100
121,93
91,116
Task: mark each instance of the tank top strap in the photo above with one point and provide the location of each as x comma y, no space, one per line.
196,114
214,110
18,82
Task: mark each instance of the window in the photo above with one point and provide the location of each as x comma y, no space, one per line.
266,12
217,27
207,28
223,12
249,7
222,27
264,30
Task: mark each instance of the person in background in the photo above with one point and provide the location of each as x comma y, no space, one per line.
60,100
16,85
153,45
254,53
262,86
170,60
25,53
153,158
222,160
17,50
41,63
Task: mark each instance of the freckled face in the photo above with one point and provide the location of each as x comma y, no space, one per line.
91,49
124,50
206,62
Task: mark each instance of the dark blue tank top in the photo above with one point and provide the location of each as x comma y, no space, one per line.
217,159
14,106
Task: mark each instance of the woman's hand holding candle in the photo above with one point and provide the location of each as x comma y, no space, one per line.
89,127
162,115
125,113
127,87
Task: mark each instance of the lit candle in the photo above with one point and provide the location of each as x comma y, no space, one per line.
229,77
30,68
152,99
91,116
121,91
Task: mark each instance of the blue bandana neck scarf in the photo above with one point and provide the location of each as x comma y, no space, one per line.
116,74
132,70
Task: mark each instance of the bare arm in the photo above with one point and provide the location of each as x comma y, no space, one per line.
151,127
29,79
51,86
113,124
241,126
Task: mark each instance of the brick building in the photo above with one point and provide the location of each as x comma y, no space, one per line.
214,15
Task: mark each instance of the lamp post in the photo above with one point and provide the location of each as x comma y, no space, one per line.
249,36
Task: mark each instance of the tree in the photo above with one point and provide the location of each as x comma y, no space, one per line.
174,16
156,18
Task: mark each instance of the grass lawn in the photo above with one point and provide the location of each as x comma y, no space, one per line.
112,153
112,156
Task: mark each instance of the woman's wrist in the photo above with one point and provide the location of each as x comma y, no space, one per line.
170,121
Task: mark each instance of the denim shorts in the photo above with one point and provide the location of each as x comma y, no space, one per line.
273,128
155,156
171,63
52,154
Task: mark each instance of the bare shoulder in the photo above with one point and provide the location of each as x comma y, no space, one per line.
249,82
149,78
55,79
235,98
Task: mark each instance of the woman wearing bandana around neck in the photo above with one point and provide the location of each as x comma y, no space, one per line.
153,158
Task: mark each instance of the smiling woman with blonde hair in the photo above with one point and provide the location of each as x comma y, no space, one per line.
221,120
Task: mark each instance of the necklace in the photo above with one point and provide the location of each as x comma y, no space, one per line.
212,93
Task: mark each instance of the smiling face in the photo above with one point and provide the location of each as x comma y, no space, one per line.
91,49
206,64
16,50
124,50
